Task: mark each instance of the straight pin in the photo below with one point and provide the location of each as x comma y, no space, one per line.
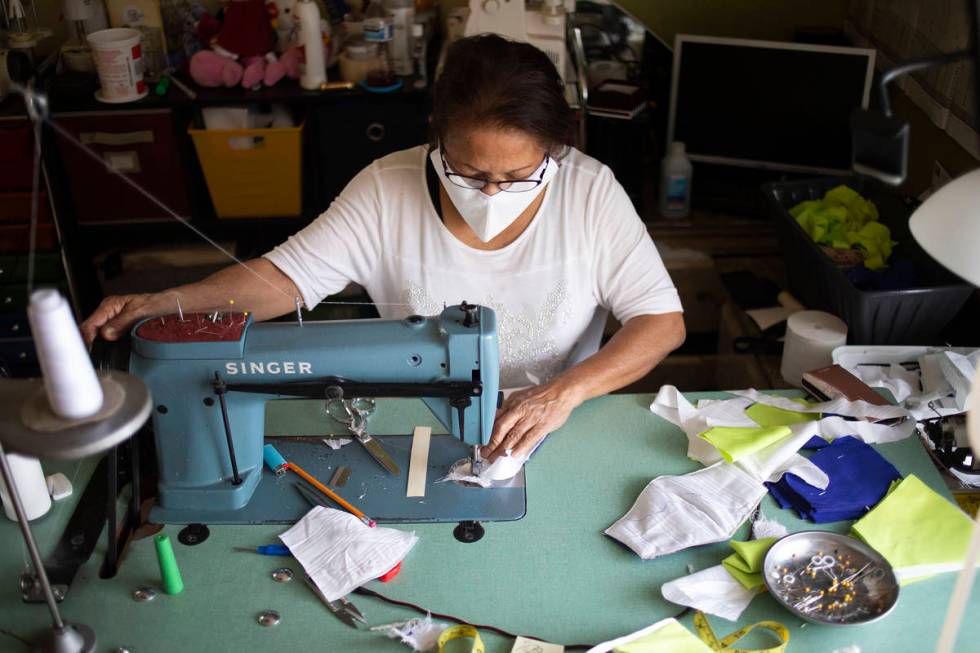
299,311
180,311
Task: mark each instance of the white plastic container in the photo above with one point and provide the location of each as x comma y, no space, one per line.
31,486
119,59
307,15
675,182
403,16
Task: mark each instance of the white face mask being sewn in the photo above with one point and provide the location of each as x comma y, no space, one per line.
488,215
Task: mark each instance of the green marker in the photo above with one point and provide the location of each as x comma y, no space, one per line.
169,571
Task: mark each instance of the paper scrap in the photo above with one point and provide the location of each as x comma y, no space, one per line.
712,591
419,461
337,443
527,645
341,553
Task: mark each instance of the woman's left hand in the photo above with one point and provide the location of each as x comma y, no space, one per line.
527,417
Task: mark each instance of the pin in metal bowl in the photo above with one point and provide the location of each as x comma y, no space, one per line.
829,578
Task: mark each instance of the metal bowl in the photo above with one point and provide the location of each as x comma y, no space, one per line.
829,578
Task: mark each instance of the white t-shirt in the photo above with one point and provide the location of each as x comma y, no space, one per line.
586,252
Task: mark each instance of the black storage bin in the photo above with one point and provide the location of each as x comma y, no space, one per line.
912,316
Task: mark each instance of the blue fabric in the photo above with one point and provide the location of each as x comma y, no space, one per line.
859,479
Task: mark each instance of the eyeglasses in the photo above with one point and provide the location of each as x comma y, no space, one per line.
506,185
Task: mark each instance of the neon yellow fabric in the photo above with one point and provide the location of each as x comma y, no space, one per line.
745,565
845,220
914,526
736,442
764,415
671,638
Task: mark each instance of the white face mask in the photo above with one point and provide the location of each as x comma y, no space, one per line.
488,215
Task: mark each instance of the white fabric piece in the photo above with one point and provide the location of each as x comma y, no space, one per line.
671,405
676,512
831,428
959,371
770,463
900,382
606,647
712,591
726,412
765,527
341,553
585,253
420,634
503,468
853,648
337,443
843,407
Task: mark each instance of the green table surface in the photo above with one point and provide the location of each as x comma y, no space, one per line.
552,575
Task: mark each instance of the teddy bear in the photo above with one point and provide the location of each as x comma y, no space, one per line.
243,49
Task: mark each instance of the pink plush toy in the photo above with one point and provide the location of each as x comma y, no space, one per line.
243,50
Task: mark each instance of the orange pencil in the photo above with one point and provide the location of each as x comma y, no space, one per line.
330,493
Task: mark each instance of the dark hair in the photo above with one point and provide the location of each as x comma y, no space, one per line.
488,80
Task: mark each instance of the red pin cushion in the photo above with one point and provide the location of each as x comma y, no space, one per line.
391,573
195,327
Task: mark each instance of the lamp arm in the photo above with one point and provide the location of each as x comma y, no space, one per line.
911,66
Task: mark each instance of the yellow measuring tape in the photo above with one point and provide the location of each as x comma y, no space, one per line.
708,636
461,632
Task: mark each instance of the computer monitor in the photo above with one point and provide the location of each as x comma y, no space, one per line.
767,104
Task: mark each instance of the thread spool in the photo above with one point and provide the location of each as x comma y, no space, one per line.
31,486
73,389
169,571
811,337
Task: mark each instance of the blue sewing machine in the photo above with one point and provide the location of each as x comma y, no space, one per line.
210,377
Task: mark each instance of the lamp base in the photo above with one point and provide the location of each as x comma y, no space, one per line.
73,638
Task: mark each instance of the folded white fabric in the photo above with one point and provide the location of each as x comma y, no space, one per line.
665,636
671,405
341,553
713,591
843,407
676,512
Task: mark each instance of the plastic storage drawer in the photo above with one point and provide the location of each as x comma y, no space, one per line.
252,173
873,317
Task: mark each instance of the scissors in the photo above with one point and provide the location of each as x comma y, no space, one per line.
343,609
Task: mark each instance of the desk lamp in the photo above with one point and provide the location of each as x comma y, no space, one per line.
947,227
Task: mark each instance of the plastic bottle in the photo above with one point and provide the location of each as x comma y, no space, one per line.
403,15
314,70
379,31
419,56
675,182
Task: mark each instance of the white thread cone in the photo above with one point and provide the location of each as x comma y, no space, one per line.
31,485
73,389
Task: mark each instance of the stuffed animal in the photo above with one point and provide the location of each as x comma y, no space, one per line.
243,49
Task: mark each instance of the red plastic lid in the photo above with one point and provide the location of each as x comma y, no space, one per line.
391,573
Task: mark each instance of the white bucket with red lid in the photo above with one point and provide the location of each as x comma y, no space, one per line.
119,60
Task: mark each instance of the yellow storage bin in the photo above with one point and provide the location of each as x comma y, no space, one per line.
252,173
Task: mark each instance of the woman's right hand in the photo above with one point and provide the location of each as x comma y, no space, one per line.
117,313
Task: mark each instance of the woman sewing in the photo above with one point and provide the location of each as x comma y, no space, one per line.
499,211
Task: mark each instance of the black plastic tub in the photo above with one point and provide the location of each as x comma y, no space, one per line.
910,316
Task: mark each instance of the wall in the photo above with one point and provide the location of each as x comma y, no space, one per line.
758,19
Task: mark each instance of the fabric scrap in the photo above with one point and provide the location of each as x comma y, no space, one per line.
859,479
917,530
666,636
736,442
745,565
712,590
421,634
340,553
